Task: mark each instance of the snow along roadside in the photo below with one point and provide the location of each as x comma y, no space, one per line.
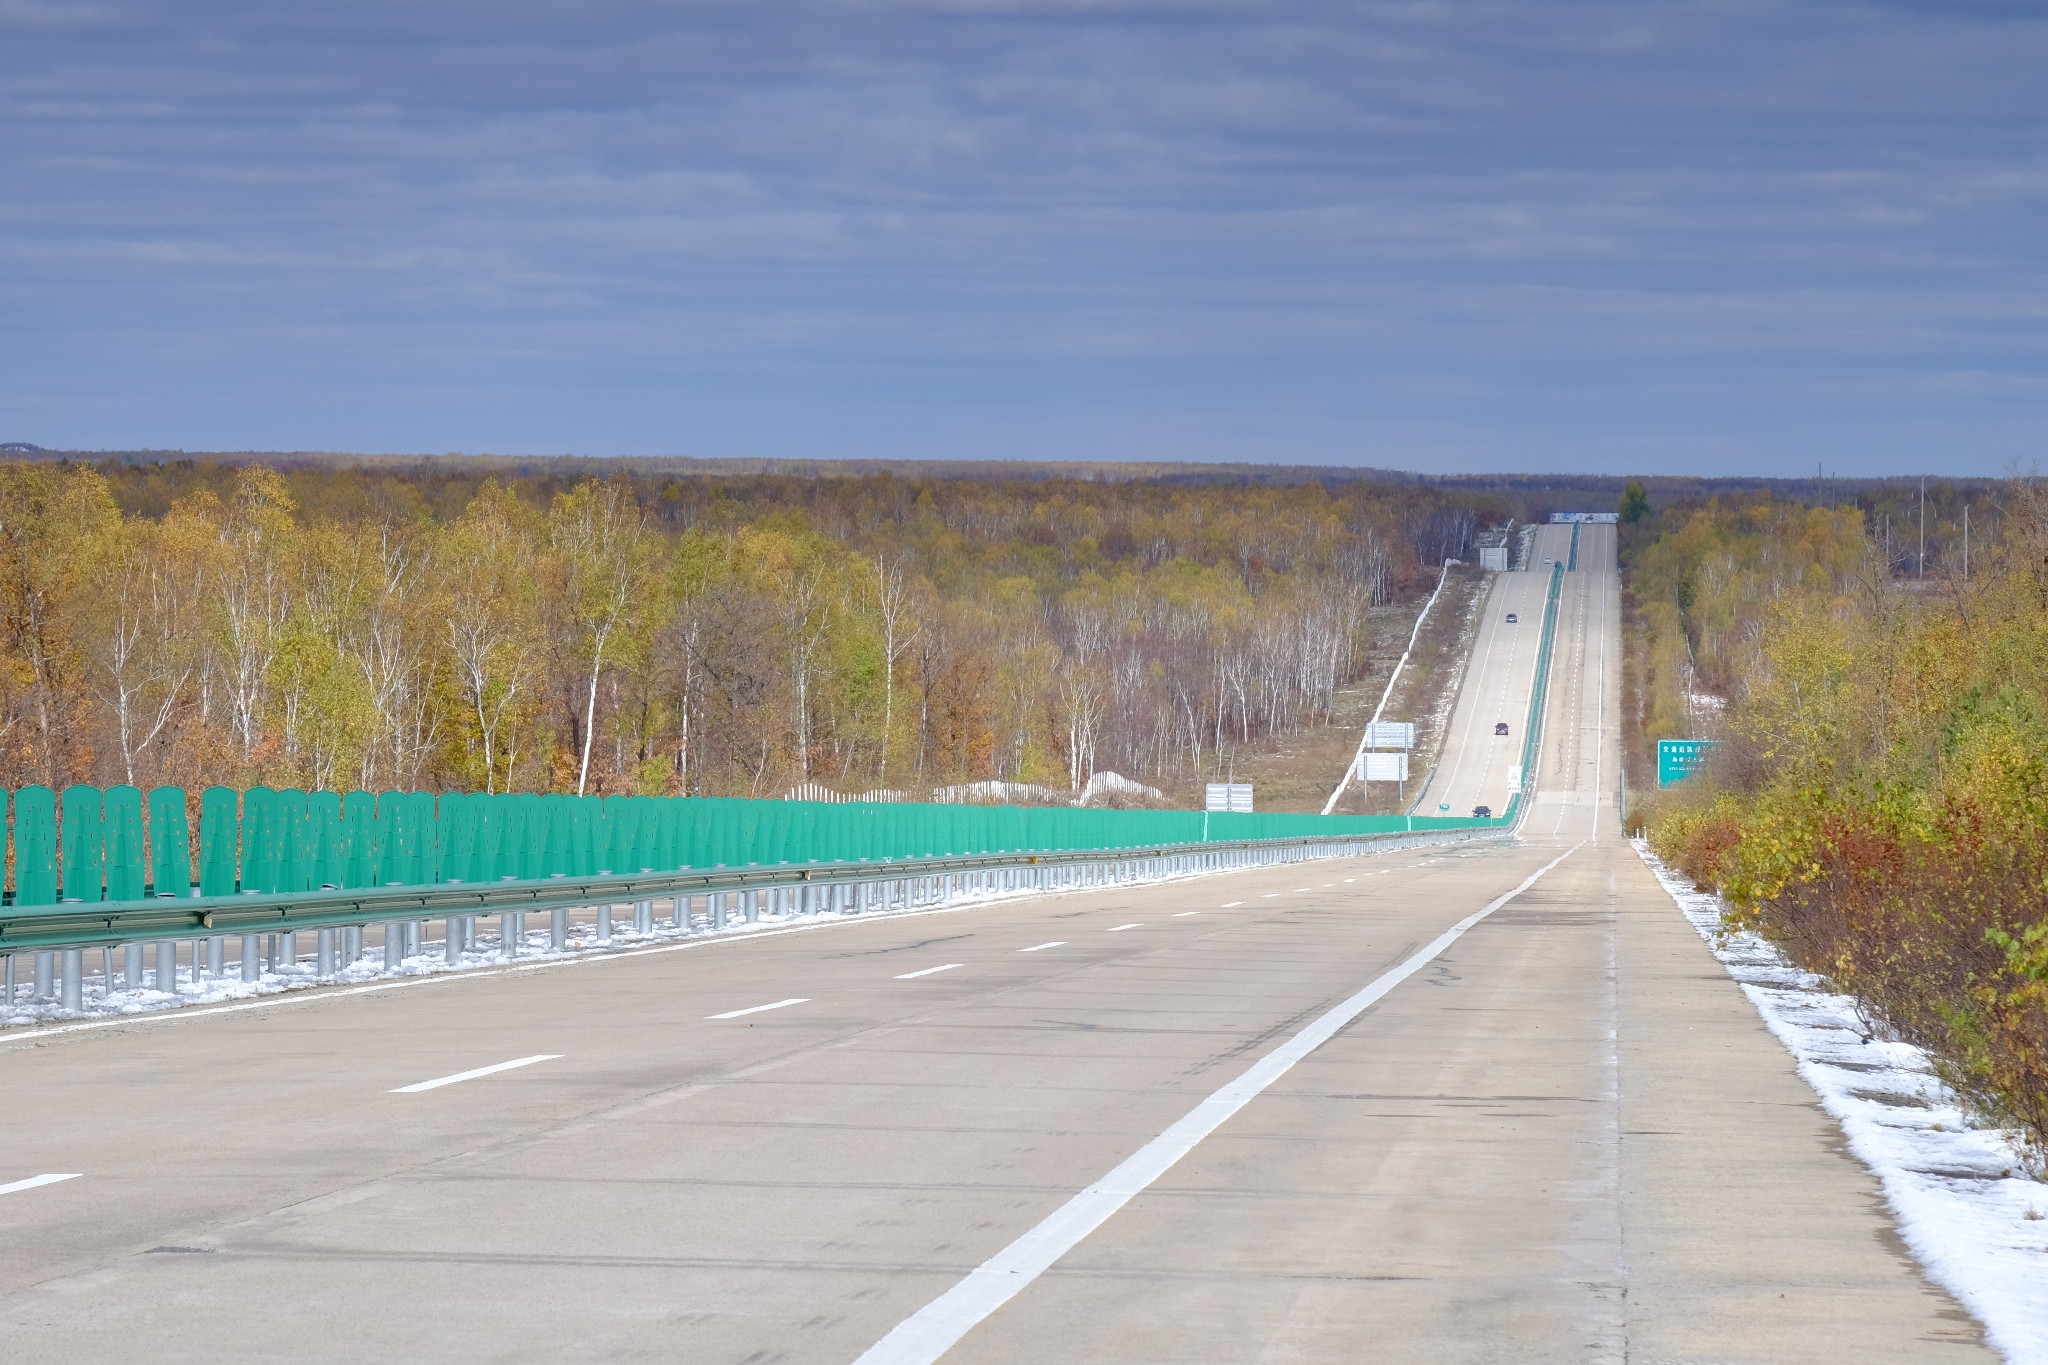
1975,1222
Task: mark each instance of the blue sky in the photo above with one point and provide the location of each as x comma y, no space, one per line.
1743,236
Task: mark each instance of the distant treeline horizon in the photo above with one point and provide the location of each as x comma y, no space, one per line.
1822,487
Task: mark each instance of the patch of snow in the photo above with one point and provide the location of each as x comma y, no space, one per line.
1099,783
1957,1188
103,997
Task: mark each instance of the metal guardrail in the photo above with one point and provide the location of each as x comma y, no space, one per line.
58,937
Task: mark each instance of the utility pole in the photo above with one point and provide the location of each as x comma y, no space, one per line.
1922,571
1966,543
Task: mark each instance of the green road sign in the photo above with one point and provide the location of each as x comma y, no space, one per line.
1678,758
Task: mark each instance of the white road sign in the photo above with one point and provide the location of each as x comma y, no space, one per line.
1386,768
1390,734
1230,797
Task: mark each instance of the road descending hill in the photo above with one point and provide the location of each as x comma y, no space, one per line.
1535,1126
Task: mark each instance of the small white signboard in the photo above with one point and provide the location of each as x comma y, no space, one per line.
1390,734
1230,797
1515,778
1386,768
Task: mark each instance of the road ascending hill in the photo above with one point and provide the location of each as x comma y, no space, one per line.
1534,1124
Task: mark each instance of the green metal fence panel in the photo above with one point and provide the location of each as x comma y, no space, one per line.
458,820
524,823
484,827
426,834
359,831
509,814
220,840
661,820
326,841
35,846
387,860
704,831
294,841
170,842
127,870
733,834
636,844
84,843
262,840
525,861
554,861
493,819
615,822
744,834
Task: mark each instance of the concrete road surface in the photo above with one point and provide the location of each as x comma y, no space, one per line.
1563,1136
1477,766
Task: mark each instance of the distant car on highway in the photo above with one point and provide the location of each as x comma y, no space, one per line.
1512,618
1482,812
1500,727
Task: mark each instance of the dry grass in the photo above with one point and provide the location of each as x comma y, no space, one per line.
1293,772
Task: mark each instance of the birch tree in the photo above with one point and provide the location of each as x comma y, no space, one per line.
604,557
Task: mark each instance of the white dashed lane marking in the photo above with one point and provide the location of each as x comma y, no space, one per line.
929,970
756,1009
436,1084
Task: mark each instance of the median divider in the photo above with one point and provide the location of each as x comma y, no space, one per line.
151,936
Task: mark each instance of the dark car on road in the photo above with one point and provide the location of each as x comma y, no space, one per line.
1511,618
1500,727
1482,812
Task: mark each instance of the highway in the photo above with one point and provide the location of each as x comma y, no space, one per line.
1537,1126
1478,766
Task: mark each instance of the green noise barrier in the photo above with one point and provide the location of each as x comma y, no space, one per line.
120,846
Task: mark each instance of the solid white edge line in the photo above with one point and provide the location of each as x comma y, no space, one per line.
756,1009
935,1329
1056,943
36,1180
929,970
436,1084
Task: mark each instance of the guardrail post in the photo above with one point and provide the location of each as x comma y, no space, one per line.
131,966
451,939
323,954
252,960
604,922
394,944
714,908
750,906
73,987
217,956
46,974
511,929
679,908
643,917
558,928
167,966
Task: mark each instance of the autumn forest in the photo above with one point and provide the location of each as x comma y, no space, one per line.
440,627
